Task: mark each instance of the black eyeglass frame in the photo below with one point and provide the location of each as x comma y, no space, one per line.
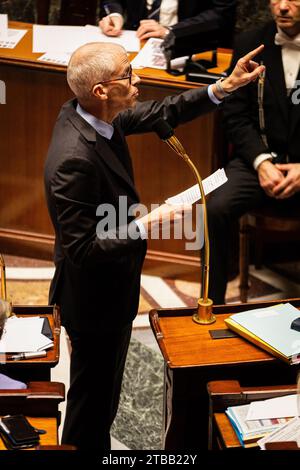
127,77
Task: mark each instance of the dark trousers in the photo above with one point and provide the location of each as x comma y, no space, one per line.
97,366
226,205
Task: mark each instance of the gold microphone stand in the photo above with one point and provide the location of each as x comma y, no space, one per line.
5,306
204,315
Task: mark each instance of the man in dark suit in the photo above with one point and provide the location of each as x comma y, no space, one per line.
255,177
88,173
207,19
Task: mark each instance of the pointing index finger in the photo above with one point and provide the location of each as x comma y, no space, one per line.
253,53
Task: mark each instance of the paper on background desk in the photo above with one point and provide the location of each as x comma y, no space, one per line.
24,335
60,39
3,26
128,39
289,431
62,58
279,407
9,38
151,55
192,194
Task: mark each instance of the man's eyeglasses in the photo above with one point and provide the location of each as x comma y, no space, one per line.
126,77
294,2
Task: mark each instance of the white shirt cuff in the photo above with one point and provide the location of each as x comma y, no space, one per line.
141,228
261,158
212,97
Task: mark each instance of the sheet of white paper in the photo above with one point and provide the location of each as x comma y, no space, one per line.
192,194
3,26
58,38
127,39
24,335
287,432
12,38
151,55
279,407
62,58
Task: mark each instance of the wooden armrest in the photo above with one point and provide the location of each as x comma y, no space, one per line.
58,447
224,393
51,388
38,399
290,445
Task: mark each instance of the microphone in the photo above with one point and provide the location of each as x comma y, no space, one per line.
204,315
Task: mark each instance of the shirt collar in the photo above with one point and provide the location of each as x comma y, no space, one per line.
103,128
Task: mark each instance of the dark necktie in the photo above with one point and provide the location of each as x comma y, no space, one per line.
119,147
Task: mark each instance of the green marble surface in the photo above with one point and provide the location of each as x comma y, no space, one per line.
138,424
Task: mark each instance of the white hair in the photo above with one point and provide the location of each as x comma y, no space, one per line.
91,64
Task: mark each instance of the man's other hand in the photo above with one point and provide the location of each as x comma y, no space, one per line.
165,214
245,71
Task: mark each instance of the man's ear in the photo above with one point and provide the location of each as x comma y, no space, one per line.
99,92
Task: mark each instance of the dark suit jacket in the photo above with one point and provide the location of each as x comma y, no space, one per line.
281,116
206,18
97,281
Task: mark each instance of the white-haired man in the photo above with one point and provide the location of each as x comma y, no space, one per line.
97,277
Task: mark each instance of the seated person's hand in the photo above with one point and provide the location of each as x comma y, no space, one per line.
151,29
290,183
269,177
111,25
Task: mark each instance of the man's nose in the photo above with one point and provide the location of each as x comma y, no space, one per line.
135,79
283,5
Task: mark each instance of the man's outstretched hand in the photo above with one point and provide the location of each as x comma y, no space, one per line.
245,71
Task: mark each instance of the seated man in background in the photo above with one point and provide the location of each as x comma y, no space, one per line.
258,133
155,18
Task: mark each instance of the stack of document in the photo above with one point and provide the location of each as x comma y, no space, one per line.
270,329
24,335
249,431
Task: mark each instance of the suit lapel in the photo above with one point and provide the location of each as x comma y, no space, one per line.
113,162
101,146
274,72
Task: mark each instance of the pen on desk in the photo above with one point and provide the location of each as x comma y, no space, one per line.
28,355
153,13
107,11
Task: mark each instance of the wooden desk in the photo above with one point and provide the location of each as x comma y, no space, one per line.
192,359
40,368
35,93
